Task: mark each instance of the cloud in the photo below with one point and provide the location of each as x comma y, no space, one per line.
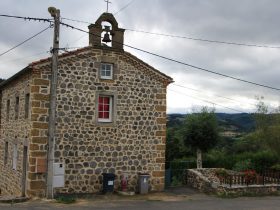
250,21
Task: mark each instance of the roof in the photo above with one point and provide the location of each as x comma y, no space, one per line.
15,76
82,50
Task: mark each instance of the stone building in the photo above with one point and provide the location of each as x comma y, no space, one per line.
110,117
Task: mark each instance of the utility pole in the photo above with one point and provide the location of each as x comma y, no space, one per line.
55,13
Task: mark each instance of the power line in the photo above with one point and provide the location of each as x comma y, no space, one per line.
189,38
74,20
124,7
25,41
22,58
180,62
147,32
27,18
210,102
231,99
205,40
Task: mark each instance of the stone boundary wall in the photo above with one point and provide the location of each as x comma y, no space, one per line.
248,190
197,178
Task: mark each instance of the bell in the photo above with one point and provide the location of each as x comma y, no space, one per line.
106,38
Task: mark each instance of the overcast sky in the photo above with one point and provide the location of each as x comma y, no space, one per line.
240,21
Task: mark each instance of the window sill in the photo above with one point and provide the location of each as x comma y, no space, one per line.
106,124
106,80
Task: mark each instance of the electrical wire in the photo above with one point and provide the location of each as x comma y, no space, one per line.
124,7
180,62
22,58
219,96
189,38
27,18
147,32
207,101
205,40
74,20
21,43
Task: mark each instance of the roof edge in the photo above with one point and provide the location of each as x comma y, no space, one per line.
15,76
168,78
80,50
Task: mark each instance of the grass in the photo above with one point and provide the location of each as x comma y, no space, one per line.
66,199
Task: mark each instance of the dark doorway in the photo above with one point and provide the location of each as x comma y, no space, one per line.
24,171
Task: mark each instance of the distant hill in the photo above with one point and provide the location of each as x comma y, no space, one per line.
239,122
1,80
243,122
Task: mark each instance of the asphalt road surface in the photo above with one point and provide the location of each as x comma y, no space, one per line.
256,203
172,200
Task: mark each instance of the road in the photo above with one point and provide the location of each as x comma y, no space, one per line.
175,200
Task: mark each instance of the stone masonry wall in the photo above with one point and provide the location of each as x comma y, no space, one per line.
15,130
133,143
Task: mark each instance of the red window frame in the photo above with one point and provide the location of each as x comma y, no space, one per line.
104,108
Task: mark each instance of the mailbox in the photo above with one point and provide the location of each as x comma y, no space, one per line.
58,175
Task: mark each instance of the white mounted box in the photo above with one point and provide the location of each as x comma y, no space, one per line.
58,181
58,169
58,175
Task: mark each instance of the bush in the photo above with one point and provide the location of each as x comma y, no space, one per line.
244,165
276,167
176,181
221,172
219,159
264,159
66,199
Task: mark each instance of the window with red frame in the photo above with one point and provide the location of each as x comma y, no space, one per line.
105,108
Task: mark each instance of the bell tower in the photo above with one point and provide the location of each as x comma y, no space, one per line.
100,35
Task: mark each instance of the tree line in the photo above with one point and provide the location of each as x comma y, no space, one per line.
198,136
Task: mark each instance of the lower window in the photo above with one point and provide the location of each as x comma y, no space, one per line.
15,157
105,104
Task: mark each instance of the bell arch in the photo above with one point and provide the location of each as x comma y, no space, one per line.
96,31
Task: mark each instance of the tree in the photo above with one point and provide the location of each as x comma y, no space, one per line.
268,126
201,132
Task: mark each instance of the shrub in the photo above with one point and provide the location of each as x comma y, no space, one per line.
250,176
264,159
66,199
219,159
276,167
221,172
176,181
243,165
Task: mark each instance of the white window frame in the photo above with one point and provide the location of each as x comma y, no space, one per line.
110,119
104,70
15,156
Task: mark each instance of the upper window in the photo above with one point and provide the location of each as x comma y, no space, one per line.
106,71
16,108
27,104
105,108
8,110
